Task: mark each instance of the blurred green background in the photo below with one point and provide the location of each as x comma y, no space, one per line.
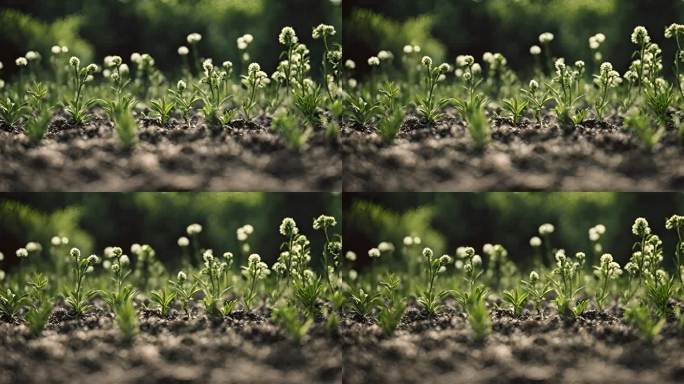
446,221
93,29
93,221
446,28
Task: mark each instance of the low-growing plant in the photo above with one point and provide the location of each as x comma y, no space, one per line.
517,299
162,109
430,298
184,291
126,320
289,128
478,314
12,111
289,319
77,296
536,99
214,286
392,306
183,100
567,287
536,291
428,106
11,303
254,271
163,298
606,271
641,319
362,303
515,106
77,107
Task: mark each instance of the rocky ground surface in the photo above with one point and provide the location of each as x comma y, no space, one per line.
242,348
242,156
595,156
595,348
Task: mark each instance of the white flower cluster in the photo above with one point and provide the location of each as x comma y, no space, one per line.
596,232
244,41
287,36
607,77
56,241
546,37
322,31
255,268
411,240
373,61
194,38
411,49
640,36
608,269
596,41
641,227
471,261
194,229
546,229
183,241
535,50
535,242
244,232
324,221
374,253
674,30
674,222
288,227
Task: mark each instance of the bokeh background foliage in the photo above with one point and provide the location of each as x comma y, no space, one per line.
446,28
446,221
93,221
93,29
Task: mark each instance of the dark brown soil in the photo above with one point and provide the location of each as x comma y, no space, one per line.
243,348
596,348
242,156
595,156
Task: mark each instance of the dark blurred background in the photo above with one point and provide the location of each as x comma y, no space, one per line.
446,221
93,221
446,28
93,29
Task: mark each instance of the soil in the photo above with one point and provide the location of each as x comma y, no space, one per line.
241,156
596,348
595,156
241,348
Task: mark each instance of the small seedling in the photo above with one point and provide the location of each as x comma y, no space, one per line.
516,298
163,298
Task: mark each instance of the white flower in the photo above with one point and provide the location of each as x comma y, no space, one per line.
546,37
408,49
535,242
350,64
2,256
408,241
535,50
373,61
22,252
194,38
75,253
546,229
373,253
287,36
32,56
124,260
183,50
183,241
385,55
56,49
640,36
640,227
534,276
181,277
136,58
93,259
426,61
386,246
21,62
194,229
288,227
350,255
